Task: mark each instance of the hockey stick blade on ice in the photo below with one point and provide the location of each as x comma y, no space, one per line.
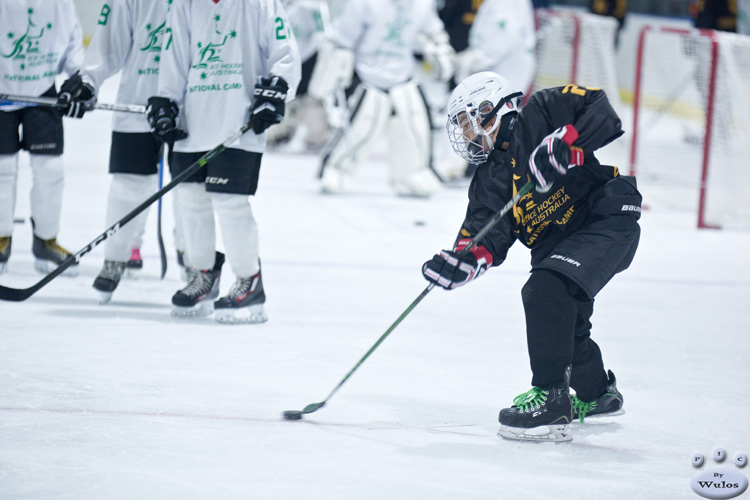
6,99
313,407
18,295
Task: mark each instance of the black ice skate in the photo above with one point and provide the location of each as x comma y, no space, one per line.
135,264
49,254
244,303
197,298
608,404
4,252
108,279
541,414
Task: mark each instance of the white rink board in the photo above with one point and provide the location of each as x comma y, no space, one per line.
122,401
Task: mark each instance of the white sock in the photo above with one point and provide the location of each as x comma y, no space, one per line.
239,232
8,181
126,191
47,184
198,224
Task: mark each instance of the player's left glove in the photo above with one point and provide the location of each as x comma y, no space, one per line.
268,105
76,97
553,157
451,269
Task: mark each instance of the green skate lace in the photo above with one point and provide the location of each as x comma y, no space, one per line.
581,408
532,399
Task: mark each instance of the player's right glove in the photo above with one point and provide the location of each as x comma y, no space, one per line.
452,268
162,116
553,157
76,97
268,105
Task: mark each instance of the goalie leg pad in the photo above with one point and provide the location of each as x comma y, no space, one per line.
126,191
197,224
46,194
369,118
8,181
410,143
239,232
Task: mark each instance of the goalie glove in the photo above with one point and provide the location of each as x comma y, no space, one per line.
76,97
553,157
453,268
268,106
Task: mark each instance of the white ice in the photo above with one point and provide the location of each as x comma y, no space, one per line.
122,401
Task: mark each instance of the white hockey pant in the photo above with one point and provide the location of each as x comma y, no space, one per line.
127,191
239,230
403,116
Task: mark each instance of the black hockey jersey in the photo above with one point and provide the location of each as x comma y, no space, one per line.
541,220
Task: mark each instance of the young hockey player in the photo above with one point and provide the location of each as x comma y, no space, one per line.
580,224
41,39
129,37
378,38
228,62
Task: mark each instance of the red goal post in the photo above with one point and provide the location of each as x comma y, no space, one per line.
690,141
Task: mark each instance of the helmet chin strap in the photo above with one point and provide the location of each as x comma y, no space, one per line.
506,122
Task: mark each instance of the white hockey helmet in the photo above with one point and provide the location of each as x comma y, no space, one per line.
472,106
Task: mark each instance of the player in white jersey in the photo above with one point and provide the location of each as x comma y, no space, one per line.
381,37
308,20
502,39
129,37
40,39
222,54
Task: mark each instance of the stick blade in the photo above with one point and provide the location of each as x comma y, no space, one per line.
14,294
313,407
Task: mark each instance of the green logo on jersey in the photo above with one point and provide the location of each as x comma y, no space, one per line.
393,43
209,52
27,50
28,43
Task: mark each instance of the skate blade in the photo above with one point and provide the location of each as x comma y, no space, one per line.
540,434
131,273
104,297
199,310
47,266
621,411
243,316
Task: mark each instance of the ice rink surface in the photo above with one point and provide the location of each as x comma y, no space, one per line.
122,401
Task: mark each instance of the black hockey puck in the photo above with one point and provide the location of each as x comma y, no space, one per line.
419,223
292,415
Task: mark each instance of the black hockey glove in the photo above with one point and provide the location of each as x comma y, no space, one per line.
553,157
76,97
450,270
268,105
162,116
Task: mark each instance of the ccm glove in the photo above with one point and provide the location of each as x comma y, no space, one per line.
453,268
553,157
76,97
162,116
268,105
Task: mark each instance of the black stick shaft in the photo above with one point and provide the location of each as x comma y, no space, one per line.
473,243
18,295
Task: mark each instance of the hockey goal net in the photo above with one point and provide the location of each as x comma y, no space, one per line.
578,48
691,123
